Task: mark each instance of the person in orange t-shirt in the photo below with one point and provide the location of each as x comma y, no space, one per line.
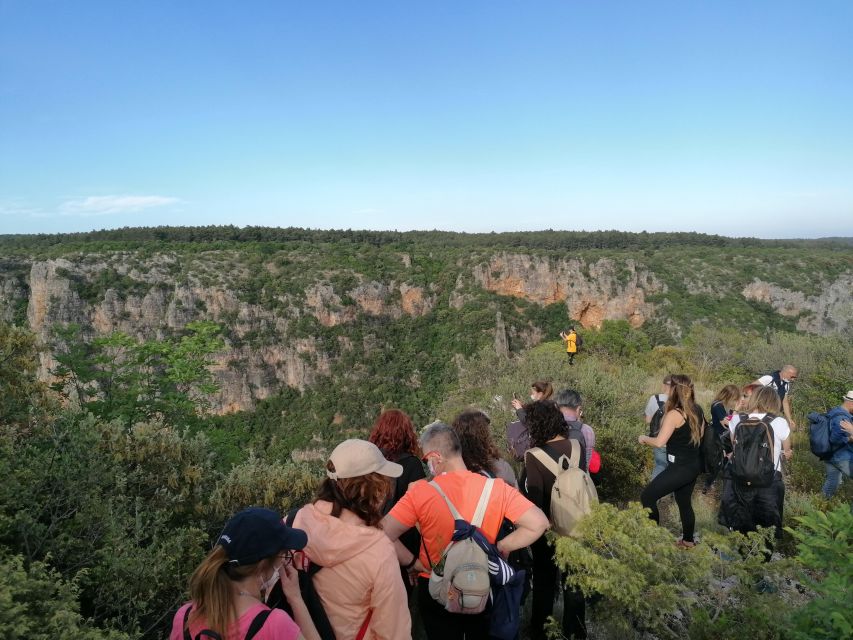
423,506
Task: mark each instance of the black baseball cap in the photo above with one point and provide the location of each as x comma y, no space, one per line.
257,533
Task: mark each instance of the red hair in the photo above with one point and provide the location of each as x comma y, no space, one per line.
394,434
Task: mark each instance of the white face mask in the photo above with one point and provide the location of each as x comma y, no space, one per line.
267,585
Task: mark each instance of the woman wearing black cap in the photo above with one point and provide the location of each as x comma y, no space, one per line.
229,587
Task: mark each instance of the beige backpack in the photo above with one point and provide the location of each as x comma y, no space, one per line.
460,581
572,494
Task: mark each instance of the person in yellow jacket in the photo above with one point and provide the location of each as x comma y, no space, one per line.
571,339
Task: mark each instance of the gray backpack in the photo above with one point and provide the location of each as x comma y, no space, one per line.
460,581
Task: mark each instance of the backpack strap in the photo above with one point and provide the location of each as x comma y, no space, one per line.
186,624
363,630
480,511
547,461
257,623
659,401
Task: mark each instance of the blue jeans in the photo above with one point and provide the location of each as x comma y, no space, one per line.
660,461
834,469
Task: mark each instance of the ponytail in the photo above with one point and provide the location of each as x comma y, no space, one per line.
212,592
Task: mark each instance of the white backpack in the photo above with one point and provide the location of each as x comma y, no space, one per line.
572,494
460,581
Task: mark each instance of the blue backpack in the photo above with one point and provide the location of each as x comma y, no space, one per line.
819,427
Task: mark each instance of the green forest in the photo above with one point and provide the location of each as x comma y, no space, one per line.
119,468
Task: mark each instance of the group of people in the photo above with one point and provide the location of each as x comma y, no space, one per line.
753,490
390,507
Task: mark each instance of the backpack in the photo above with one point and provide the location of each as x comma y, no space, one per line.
572,494
310,596
657,418
460,580
257,623
752,457
712,449
819,428
578,341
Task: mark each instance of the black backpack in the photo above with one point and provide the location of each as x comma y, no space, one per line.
712,448
257,623
578,341
657,418
752,458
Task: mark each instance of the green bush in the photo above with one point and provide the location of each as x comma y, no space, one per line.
37,603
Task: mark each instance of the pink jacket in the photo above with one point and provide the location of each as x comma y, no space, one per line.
360,573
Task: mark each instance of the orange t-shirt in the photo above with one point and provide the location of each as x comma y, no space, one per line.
424,506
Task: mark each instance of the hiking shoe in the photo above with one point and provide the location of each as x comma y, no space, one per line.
685,544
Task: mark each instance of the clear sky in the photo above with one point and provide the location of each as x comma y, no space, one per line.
719,116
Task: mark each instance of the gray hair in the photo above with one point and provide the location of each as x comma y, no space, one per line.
568,398
441,437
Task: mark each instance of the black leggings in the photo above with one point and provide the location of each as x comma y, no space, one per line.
547,579
678,479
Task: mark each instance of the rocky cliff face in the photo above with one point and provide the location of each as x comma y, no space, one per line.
828,312
269,344
592,293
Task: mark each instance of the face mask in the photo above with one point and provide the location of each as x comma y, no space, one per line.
431,466
267,585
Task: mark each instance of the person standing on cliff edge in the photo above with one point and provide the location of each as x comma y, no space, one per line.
571,339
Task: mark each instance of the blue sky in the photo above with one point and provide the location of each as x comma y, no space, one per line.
722,117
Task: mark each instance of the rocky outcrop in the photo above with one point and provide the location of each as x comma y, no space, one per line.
592,293
244,373
831,311
371,298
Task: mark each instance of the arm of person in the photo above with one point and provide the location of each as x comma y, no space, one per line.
838,434
393,528
528,529
667,428
290,586
786,409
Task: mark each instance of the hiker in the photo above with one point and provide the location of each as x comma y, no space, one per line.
548,432
571,339
654,415
394,434
780,381
570,404
478,451
228,589
746,502
722,408
424,506
681,433
517,436
539,390
841,436
359,583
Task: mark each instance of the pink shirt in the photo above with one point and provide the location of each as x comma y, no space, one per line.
278,626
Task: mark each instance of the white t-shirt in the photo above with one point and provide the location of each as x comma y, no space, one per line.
781,431
652,404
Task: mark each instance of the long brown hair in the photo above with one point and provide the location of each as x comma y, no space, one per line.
211,590
364,495
478,451
728,396
765,400
681,398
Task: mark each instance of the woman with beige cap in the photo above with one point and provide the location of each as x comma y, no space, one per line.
359,583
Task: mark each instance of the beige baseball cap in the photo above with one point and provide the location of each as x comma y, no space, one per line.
354,458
